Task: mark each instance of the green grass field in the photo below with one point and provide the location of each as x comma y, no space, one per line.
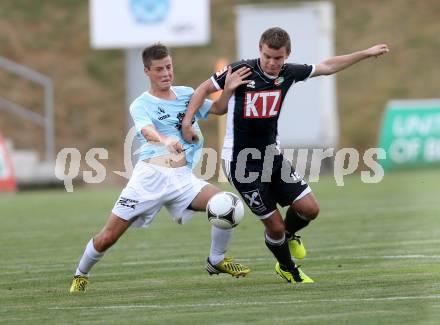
373,252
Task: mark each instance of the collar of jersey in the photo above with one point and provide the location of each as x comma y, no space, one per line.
158,99
265,74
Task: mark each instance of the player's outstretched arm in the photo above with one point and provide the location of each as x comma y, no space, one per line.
195,103
338,63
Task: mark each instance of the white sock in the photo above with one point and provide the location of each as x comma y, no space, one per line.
220,239
90,257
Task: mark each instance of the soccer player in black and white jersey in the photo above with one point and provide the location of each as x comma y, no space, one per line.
251,142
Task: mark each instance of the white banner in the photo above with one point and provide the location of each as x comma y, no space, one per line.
138,23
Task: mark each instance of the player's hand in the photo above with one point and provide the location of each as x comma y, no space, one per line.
189,134
236,78
173,145
378,50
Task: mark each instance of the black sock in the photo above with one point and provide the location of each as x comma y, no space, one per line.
281,252
293,222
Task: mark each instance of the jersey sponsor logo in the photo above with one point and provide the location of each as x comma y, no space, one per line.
221,71
163,117
180,117
161,110
262,104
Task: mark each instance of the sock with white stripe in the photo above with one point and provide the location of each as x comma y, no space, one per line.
294,222
280,249
220,239
90,257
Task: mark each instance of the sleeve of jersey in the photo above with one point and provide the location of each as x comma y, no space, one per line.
302,72
203,112
140,117
218,78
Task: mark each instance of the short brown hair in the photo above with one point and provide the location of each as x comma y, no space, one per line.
276,38
154,52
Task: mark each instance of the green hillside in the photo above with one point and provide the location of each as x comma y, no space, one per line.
52,36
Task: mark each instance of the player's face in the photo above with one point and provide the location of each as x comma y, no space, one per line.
272,60
161,73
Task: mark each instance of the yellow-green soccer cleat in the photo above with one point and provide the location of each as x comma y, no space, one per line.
293,276
296,247
227,266
79,283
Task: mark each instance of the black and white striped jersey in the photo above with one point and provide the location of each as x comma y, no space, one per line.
254,108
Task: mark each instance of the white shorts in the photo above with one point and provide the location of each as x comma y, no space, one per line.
151,187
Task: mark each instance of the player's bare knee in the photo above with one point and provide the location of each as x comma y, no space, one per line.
276,231
312,212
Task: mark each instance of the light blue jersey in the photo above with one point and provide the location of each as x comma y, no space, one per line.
166,116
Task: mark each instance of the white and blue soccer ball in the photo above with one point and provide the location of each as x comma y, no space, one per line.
225,210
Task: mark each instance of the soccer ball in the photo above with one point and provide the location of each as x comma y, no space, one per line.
225,210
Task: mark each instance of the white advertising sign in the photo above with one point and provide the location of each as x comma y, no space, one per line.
138,23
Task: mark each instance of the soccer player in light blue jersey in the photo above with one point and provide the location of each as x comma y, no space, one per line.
163,174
